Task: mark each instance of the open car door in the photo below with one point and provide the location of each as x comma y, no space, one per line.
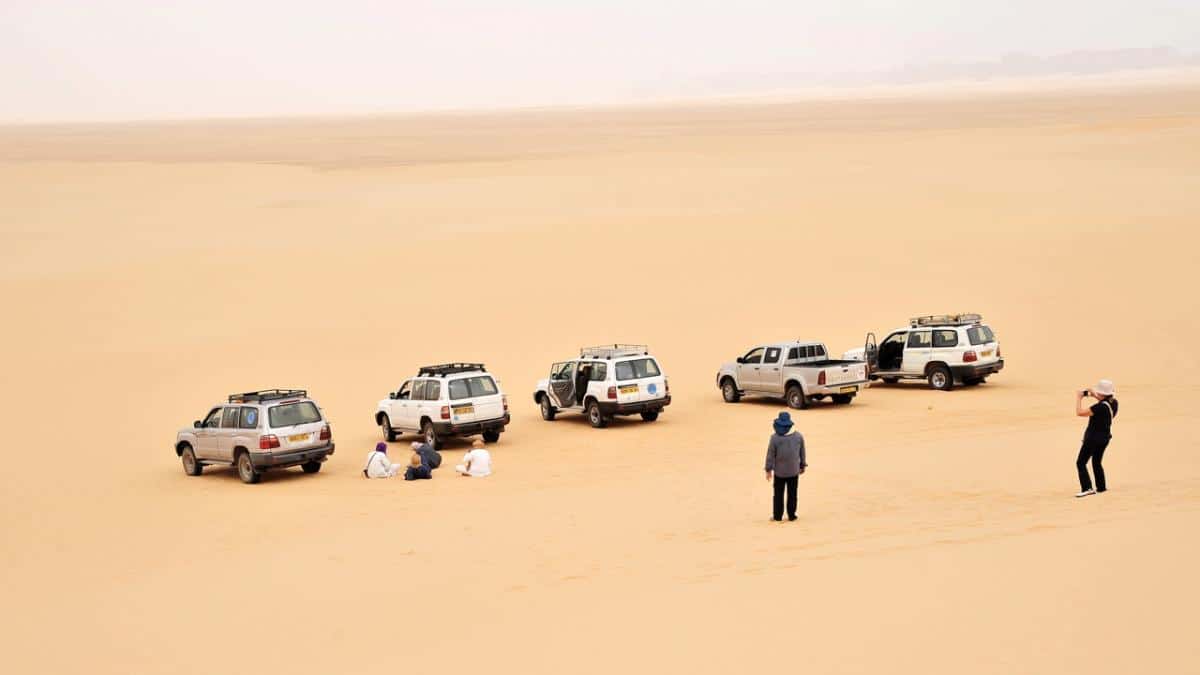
871,353
562,384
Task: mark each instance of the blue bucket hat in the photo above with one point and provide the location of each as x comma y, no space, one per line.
783,423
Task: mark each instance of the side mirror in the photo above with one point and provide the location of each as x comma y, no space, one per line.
741,360
392,395
196,424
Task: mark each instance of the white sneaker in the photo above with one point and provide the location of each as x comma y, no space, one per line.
1085,493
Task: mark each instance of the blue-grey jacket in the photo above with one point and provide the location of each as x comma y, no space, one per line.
785,455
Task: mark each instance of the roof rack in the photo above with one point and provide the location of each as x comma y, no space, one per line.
945,320
267,395
444,369
612,351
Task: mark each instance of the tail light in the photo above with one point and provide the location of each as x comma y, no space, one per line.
445,412
267,442
969,356
997,351
667,385
504,400
612,393
821,379
326,434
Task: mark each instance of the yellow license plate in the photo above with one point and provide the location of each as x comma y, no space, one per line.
847,390
465,410
987,353
629,389
296,438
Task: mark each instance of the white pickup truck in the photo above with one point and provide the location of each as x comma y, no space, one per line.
800,372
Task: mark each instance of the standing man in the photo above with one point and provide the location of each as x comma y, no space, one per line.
1097,435
785,463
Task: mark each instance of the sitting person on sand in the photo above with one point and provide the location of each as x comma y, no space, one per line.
477,462
378,464
417,469
432,458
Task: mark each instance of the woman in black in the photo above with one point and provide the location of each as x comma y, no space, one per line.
1095,439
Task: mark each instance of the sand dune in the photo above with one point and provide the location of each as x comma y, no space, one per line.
147,270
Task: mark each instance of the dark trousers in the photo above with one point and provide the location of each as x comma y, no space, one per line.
790,484
1093,450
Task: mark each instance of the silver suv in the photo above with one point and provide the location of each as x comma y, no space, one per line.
256,431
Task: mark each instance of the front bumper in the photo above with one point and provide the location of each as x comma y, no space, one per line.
268,460
973,370
471,428
653,405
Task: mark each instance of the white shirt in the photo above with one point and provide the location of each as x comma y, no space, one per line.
480,461
378,465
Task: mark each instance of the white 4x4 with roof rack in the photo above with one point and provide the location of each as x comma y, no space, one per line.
256,431
800,372
450,399
944,349
603,382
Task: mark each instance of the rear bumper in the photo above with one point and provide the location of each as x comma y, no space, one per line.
471,428
963,372
653,405
267,460
830,390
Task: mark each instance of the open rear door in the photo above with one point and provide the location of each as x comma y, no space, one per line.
871,353
562,384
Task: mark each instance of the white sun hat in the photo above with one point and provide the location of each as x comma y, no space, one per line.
1105,388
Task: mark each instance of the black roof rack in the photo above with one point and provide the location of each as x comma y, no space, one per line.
444,369
612,351
267,395
945,320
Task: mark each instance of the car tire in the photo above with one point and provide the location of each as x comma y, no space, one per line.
431,436
245,469
597,418
842,399
311,467
548,410
650,416
385,425
191,465
729,391
891,380
940,378
491,436
795,398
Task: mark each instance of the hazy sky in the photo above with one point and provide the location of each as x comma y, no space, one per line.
122,59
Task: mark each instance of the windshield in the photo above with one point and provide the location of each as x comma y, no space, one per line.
637,369
470,387
979,335
291,414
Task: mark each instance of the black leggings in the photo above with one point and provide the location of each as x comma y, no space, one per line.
789,485
1093,450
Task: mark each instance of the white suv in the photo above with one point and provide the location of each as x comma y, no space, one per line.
944,349
451,399
604,382
256,431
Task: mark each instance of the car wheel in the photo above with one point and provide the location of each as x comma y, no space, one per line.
650,416
842,399
311,467
795,398
940,378
891,380
597,418
491,436
729,391
385,425
191,466
431,436
548,411
245,469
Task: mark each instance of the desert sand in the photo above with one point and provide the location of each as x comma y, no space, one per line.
147,270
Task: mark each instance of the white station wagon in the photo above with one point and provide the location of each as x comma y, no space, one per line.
604,382
446,400
943,349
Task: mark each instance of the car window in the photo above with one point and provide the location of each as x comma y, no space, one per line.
291,414
772,355
433,390
793,353
418,390
918,340
213,420
599,372
405,391
637,369
945,338
818,350
230,419
980,335
562,371
895,338
469,387
753,356
249,418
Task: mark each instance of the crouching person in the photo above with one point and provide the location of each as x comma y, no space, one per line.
431,458
378,464
417,469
